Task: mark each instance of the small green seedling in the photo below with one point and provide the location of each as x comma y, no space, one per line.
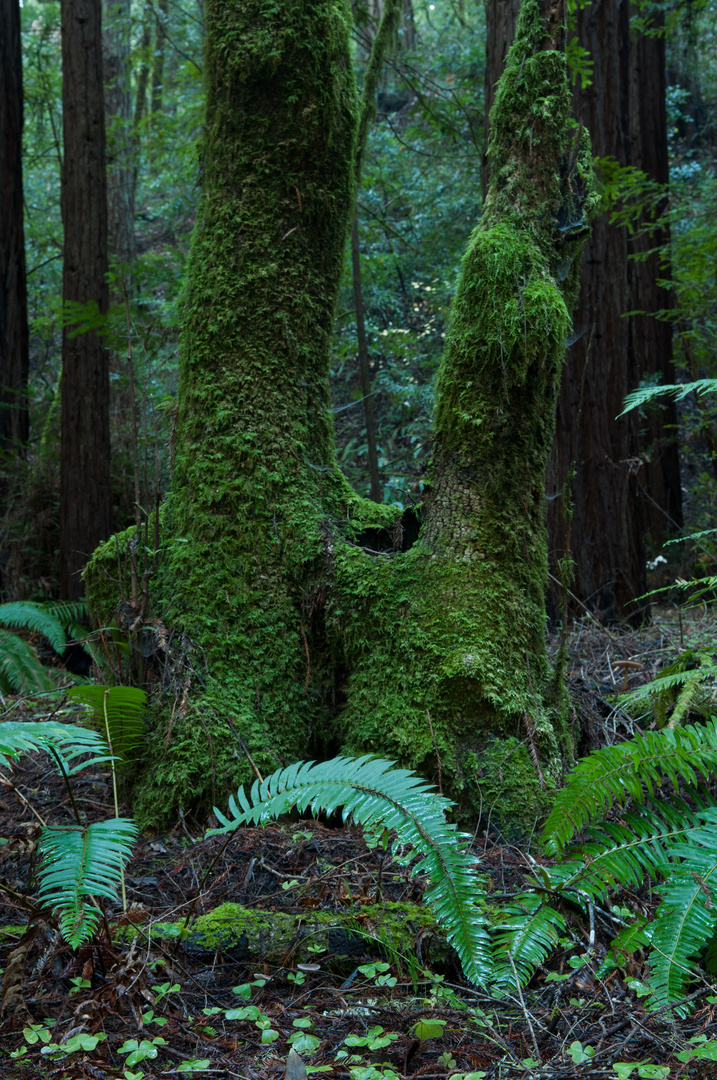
580,1053
376,971
79,983
149,1018
375,1039
428,1029
141,1050
73,1045
164,989
35,1033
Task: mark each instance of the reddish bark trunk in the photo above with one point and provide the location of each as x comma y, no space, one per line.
14,360
85,492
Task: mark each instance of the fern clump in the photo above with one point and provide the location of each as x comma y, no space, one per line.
373,792
20,668
671,844
79,864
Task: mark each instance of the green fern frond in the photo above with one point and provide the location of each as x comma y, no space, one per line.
527,934
631,938
20,670
67,612
633,770
677,687
75,747
373,792
79,863
645,394
25,615
124,709
687,916
623,855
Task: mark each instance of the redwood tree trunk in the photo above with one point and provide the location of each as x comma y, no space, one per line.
121,143
85,493
14,360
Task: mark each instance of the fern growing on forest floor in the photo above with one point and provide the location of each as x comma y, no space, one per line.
671,842
687,685
373,792
20,669
81,862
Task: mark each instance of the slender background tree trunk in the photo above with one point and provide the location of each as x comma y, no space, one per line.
121,148
14,358
85,492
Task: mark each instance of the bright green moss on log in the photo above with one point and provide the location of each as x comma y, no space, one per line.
397,930
303,642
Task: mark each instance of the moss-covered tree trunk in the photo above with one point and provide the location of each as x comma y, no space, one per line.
302,640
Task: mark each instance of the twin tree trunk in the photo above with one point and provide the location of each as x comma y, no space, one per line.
626,488
305,627
85,491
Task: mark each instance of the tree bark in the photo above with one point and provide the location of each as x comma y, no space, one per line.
121,143
304,618
626,485
157,84
85,493
14,340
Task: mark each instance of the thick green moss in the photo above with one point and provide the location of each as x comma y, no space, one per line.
391,928
456,627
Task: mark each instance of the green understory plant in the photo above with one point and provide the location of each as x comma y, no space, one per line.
20,668
686,687
79,862
672,843
373,792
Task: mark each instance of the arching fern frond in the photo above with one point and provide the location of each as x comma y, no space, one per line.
634,770
526,935
636,399
624,854
20,670
687,916
71,743
373,792
680,687
26,615
79,863
121,707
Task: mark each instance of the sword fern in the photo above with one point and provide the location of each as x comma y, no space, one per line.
373,792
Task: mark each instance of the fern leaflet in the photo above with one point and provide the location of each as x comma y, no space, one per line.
527,934
123,707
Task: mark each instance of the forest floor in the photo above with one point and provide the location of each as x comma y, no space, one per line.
357,1009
